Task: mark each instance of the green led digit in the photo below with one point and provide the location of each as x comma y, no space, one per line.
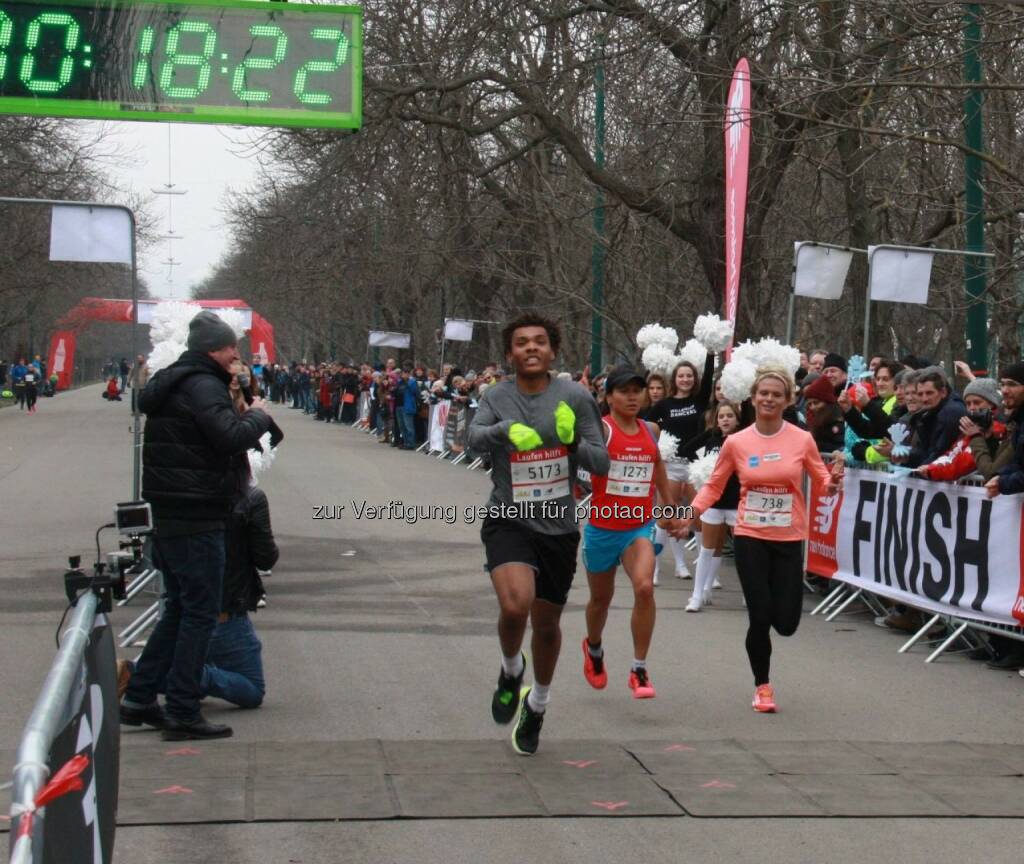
239,79
199,61
145,50
67,63
6,30
340,56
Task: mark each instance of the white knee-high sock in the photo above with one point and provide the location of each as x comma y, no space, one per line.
702,582
713,566
678,547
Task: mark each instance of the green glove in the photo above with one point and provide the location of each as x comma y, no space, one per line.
565,423
523,437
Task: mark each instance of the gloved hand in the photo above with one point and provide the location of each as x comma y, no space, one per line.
565,423
524,437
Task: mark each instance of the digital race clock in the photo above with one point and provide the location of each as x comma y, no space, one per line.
257,63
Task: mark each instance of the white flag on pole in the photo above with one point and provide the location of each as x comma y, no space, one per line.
387,339
821,272
97,235
899,275
458,330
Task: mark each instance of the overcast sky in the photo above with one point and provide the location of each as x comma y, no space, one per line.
205,160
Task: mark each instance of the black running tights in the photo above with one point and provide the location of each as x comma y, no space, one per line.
771,573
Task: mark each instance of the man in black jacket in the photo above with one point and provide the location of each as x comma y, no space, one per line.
192,431
939,423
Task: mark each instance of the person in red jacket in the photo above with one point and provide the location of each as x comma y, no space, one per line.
974,450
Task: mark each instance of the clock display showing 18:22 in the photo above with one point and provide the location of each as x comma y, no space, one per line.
232,62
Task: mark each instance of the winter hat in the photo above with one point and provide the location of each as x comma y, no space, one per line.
1015,372
209,332
987,389
836,360
820,389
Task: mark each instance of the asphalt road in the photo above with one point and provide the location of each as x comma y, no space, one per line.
378,628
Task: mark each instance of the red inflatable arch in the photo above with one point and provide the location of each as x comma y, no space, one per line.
62,347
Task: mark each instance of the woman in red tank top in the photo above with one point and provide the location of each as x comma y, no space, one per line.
620,529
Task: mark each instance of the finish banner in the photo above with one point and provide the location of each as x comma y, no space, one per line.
936,546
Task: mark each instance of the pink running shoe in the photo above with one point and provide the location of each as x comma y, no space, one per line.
593,669
764,699
641,685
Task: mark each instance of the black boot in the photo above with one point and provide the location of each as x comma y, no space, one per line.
199,728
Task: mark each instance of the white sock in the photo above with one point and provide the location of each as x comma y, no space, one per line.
595,650
513,666
539,697
639,664
715,564
678,547
702,582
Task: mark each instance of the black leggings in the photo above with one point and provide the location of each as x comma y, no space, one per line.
771,573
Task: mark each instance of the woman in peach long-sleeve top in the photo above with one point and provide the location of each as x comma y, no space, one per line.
770,458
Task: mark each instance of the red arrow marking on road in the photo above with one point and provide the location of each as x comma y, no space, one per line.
173,790
184,751
580,763
718,784
675,748
609,805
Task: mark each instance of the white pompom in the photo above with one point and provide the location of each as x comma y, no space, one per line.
668,447
768,352
699,471
655,334
694,352
260,462
737,379
659,358
712,332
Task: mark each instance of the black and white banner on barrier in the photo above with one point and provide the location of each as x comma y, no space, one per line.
936,546
80,828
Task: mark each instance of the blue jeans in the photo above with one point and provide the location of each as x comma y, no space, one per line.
234,664
408,429
173,659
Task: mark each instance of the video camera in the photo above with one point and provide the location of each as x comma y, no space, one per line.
133,520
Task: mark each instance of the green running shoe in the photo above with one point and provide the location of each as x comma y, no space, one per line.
505,701
526,735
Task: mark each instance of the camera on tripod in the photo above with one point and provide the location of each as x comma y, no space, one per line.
133,520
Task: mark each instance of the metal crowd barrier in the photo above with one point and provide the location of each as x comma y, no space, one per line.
59,727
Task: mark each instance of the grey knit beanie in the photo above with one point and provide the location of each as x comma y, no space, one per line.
987,389
209,332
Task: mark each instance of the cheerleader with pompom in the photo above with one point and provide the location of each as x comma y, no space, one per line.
720,515
681,414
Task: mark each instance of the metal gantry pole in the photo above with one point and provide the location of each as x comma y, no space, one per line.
597,254
974,199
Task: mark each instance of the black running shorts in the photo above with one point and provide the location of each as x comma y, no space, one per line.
552,556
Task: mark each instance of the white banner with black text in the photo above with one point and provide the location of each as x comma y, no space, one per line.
936,546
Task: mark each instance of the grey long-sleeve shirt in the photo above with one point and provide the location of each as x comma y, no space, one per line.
535,487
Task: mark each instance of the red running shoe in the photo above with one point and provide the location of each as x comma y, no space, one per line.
641,685
764,699
593,669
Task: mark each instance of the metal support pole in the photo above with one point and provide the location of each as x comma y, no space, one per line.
913,640
828,599
838,610
956,634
